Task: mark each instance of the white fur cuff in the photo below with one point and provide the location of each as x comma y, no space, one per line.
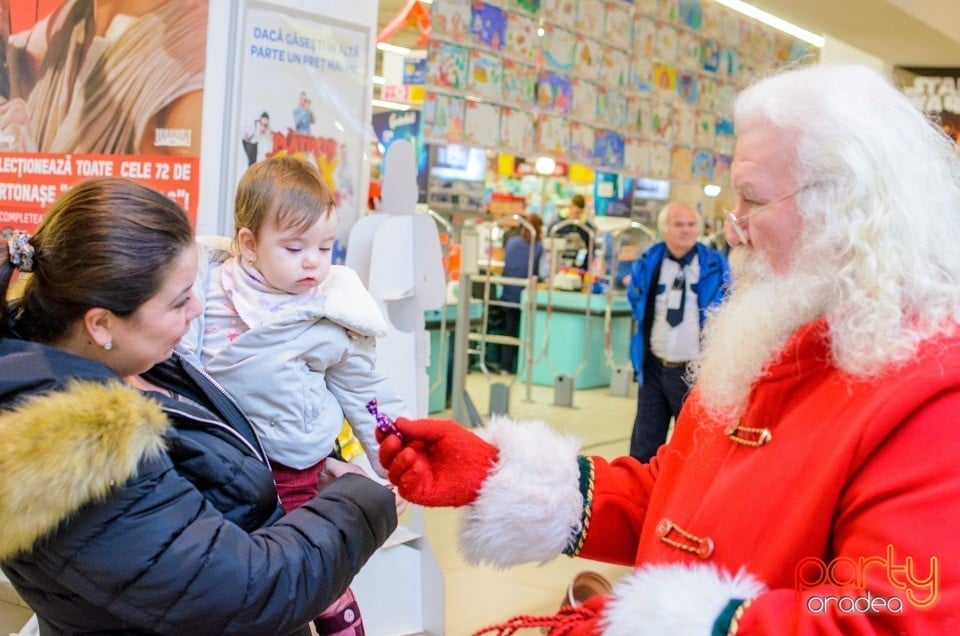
530,506
674,599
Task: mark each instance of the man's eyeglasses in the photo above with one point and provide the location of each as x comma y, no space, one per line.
753,210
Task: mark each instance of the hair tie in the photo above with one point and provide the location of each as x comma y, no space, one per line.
19,249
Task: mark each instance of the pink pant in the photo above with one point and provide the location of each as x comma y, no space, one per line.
297,487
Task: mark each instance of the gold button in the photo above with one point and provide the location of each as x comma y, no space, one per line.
706,548
664,527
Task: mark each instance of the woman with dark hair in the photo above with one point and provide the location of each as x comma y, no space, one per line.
134,495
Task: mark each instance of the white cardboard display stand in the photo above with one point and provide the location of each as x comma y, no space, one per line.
397,255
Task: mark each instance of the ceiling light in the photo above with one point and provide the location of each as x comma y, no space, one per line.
711,190
777,23
382,103
383,46
545,166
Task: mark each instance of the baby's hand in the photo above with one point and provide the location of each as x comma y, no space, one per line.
334,468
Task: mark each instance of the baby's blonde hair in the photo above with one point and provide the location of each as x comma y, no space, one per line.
287,190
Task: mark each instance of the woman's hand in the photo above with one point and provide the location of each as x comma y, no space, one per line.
334,468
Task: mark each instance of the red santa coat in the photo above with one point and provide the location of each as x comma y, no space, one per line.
842,489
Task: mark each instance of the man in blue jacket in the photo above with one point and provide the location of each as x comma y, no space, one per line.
671,287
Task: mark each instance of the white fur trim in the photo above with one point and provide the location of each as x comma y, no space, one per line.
530,506
674,599
348,303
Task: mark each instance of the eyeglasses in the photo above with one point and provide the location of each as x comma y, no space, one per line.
737,222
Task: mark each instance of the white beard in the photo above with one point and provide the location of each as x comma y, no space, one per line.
745,335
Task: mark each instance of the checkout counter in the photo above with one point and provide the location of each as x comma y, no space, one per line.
437,369
570,329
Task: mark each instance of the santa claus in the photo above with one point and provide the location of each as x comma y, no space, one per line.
812,484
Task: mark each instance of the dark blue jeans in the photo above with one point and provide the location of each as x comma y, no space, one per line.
660,397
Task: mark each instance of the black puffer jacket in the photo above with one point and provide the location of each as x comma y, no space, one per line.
114,522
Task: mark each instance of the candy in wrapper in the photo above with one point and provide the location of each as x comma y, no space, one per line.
384,422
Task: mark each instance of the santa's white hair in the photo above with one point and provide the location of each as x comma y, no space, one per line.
881,214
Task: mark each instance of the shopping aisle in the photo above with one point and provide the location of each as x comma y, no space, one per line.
479,596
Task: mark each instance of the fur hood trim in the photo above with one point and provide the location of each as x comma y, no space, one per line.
529,507
61,450
674,599
348,303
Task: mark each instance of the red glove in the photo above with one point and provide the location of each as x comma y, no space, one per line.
436,462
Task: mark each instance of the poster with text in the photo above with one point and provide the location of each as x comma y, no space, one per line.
935,91
110,116
303,92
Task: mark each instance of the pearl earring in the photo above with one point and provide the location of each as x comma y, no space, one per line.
108,345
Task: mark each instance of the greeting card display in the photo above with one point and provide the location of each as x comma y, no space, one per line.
723,140
450,20
730,27
707,94
641,85
561,12
519,84
681,163
584,101
690,13
581,143
641,74
638,115
710,55
721,168
661,121
527,5
687,85
644,36
446,66
689,50
611,107
608,149
559,48
443,118
553,92
668,10
706,129
482,124
666,42
589,59
702,166
660,160
516,131
616,67
590,18
710,27
684,125
485,78
488,25
636,157
646,7
616,22
665,82
522,39
552,135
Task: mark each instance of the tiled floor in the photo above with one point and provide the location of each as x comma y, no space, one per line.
477,597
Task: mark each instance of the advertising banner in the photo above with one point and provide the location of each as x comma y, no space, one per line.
98,89
304,92
936,91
